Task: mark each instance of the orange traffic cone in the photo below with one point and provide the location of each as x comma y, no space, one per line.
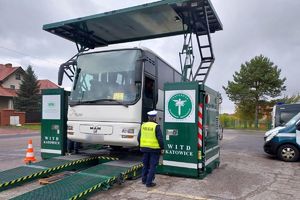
29,154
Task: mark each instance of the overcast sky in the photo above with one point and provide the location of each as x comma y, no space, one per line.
251,28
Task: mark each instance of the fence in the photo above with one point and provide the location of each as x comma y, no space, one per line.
246,124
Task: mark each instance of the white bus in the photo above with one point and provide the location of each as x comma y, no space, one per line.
112,93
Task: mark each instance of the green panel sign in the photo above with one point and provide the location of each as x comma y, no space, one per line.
190,130
53,131
180,129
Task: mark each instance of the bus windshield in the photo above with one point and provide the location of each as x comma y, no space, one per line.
106,78
293,120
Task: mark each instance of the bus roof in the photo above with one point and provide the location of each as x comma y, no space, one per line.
148,21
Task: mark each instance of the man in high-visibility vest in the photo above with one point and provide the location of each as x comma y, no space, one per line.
151,144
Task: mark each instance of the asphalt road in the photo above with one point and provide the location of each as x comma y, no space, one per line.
13,149
246,172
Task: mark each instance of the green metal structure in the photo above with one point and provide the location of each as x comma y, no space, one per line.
53,126
191,124
148,21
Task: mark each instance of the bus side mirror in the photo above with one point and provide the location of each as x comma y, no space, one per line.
60,75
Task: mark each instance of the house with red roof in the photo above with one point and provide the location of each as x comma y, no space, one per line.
46,84
10,80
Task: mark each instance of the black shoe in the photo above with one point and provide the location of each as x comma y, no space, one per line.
151,185
144,180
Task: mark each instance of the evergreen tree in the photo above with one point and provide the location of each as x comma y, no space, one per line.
257,80
29,99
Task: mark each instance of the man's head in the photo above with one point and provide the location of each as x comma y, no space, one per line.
152,115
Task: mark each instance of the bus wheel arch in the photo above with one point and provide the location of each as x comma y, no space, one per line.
288,152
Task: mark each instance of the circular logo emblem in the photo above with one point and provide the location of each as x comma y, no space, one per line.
180,106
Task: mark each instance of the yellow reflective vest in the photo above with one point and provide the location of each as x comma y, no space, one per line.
148,136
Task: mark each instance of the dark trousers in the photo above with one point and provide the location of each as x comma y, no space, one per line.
72,146
150,161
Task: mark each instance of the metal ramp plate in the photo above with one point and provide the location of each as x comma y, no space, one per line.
148,21
20,175
15,174
77,186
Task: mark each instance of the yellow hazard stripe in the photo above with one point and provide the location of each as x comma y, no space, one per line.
80,195
46,171
61,167
107,158
108,181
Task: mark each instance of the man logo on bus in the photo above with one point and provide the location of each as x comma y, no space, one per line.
180,106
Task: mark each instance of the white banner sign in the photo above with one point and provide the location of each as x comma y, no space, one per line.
51,107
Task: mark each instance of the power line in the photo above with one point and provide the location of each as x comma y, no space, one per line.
23,54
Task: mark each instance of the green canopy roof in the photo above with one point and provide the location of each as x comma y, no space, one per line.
148,21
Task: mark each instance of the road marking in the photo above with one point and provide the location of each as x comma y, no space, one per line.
6,155
186,196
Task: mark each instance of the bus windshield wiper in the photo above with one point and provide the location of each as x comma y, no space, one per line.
101,100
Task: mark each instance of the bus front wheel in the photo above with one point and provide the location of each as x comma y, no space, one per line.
288,153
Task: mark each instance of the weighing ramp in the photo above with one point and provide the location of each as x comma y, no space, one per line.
79,185
20,175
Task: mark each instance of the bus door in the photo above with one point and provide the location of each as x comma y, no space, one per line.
148,96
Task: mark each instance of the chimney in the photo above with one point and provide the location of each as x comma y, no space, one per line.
8,65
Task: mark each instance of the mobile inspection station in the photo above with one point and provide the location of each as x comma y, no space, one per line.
114,89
